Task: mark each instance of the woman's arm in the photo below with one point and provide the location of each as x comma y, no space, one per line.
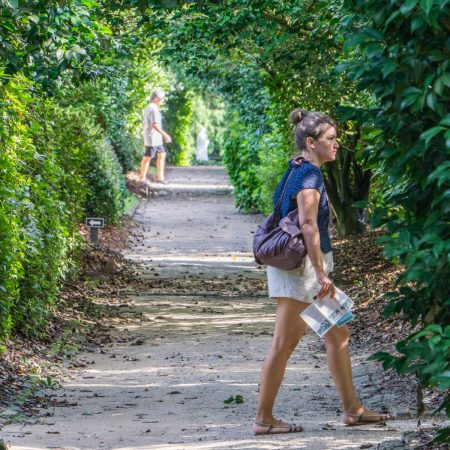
308,207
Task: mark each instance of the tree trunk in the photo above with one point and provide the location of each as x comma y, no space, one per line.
350,220
348,182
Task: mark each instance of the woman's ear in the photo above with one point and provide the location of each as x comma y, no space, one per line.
310,142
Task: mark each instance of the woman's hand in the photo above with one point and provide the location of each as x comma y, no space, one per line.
326,286
167,139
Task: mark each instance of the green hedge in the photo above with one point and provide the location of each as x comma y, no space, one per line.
14,194
35,225
107,194
185,113
54,161
241,157
256,156
182,150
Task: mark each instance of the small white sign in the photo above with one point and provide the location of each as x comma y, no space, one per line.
95,222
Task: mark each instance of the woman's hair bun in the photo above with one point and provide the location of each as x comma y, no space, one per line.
298,115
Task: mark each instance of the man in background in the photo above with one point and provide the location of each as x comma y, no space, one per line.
154,136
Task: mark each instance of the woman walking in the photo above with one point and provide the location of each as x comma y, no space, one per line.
316,137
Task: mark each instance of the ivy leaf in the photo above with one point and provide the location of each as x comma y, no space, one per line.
417,23
431,101
374,34
388,68
446,78
426,5
430,134
59,54
434,328
410,96
392,17
407,6
445,121
438,86
89,3
441,174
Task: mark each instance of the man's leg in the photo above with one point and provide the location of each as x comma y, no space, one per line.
145,162
144,167
160,165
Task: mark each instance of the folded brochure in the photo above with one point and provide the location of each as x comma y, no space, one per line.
323,314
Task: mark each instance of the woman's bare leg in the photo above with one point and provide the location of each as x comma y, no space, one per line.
336,342
289,329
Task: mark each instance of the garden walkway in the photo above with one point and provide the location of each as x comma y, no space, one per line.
199,325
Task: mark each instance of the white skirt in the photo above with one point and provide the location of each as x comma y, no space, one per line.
301,283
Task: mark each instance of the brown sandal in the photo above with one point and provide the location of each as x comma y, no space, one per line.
367,419
272,428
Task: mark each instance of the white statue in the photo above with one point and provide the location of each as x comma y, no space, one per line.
202,143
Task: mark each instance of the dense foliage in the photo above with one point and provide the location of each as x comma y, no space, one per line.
186,111
43,39
180,107
75,78
35,207
267,59
70,89
401,52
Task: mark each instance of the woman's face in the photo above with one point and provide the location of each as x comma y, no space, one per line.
326,146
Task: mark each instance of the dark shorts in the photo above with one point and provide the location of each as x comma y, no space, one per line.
152,151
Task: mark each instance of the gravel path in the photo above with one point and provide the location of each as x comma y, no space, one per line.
198,331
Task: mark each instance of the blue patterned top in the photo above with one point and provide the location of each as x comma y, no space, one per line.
307,176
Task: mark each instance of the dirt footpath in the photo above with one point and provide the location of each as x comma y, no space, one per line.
183,372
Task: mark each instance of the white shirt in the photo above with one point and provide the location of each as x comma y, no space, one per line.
152,138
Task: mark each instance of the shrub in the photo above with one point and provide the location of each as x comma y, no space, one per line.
127,148
13,198
107,192
47,239
275,149
34,224
241,146
401,54
54,162
178,121
113,109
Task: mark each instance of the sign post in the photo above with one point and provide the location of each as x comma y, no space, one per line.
94,223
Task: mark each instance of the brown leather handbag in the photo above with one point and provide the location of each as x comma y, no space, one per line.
279,243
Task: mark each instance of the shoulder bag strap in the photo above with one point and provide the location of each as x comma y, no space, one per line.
298,162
